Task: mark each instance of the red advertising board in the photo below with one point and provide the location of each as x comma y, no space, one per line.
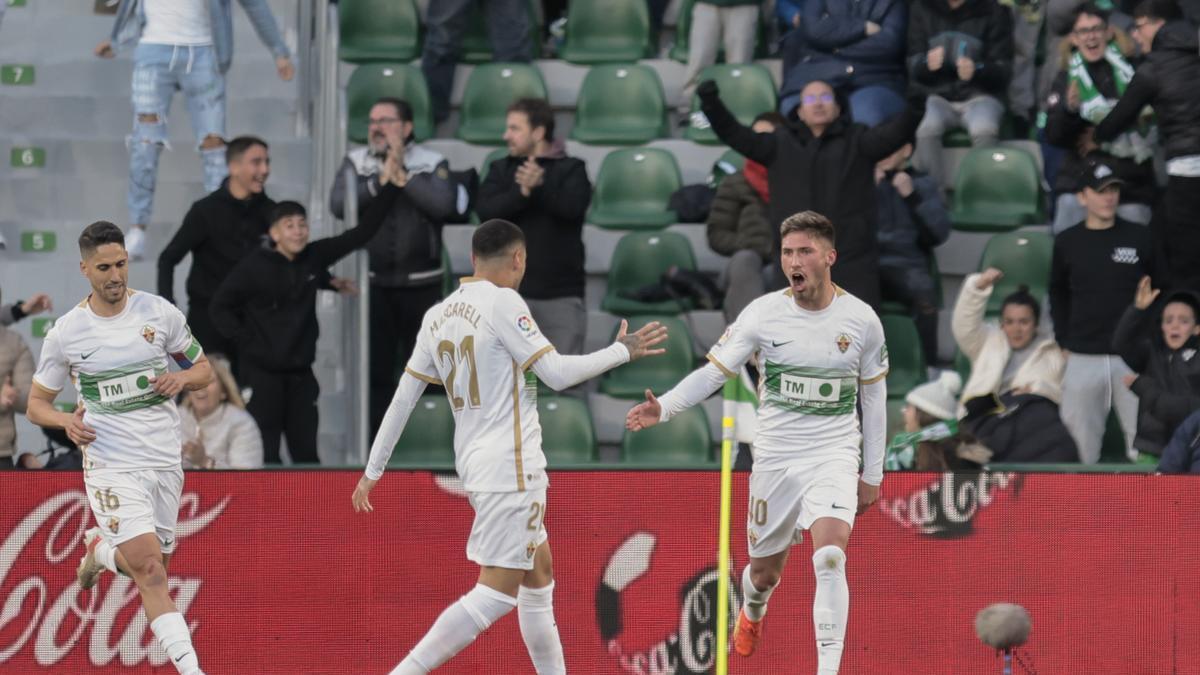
276,574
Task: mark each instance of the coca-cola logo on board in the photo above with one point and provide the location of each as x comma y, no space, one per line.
45,611
947,507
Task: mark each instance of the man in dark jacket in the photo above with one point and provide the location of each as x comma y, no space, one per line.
822,162
1095,74
1094,262
406,255
858,47
960,53
1169,80
546,194
219,230
268,306
912,221
738,227
1161,348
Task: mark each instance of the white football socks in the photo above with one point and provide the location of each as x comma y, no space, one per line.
754,602
176,639
535,610
831,607
106,554
457,627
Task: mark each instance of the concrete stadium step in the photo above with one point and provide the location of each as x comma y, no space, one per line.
74,117
256,78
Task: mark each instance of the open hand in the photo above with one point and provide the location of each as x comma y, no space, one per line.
1145,295
37,304
867,495
640,343
80,434
362,494
645,414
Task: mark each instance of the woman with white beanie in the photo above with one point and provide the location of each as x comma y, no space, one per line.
931,440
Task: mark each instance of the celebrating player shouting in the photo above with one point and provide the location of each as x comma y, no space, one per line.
482,344
113,347
818,347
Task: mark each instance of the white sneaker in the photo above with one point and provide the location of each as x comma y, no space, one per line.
89,568
135,242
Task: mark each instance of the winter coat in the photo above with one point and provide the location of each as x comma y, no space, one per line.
738,221
1022,428
986,346
985,20
832,174
407,252
1168,80
551,218
910,227
1182,454
1168,383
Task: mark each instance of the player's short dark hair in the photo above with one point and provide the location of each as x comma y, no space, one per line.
1089,9
1164,10
809,222
1022,296
771,116
287,208
237,147
539,113
404,111
495,238
98,234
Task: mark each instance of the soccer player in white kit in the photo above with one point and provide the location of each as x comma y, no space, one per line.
114,348
482,344
820,351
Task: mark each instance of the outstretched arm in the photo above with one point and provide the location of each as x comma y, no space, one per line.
562,372
693,389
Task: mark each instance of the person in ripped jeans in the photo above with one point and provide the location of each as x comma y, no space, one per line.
187,46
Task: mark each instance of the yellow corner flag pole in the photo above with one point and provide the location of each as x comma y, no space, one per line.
721,647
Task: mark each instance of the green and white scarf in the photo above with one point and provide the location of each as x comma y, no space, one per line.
902,451
1137,144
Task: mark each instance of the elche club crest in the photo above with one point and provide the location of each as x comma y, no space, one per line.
148,333
843,342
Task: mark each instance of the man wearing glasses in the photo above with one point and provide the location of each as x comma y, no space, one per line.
1168,81
406,254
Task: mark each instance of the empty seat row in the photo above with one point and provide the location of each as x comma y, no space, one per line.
618,104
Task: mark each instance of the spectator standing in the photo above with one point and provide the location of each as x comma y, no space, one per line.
509,31
716,23
15,311
1027,19
738,227
1006,358
218,432
822,162
1168,80
1163,354
184,45
1096,72
1094,262
912,221
959,53
16,378
858,48
546,194
1182,454
268,307
789,14
219,230
406,256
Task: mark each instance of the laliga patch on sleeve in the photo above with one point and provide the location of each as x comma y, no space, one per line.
526,325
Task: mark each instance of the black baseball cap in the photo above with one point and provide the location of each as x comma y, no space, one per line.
1098,174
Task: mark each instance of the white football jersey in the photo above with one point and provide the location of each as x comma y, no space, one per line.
480,343
110,361
812,364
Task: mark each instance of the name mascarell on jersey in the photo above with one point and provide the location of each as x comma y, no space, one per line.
111,362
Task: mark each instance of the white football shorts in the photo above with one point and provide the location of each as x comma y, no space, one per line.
787,501
508,528
132,503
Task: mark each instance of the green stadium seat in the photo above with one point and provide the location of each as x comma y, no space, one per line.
1024,257
371,81
683,35
620,104
568,435
658,373
378,30
476,45
729,163
746,89
428,438
907,359
491,88
685,441
640,259
613,31
633,188
996,190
